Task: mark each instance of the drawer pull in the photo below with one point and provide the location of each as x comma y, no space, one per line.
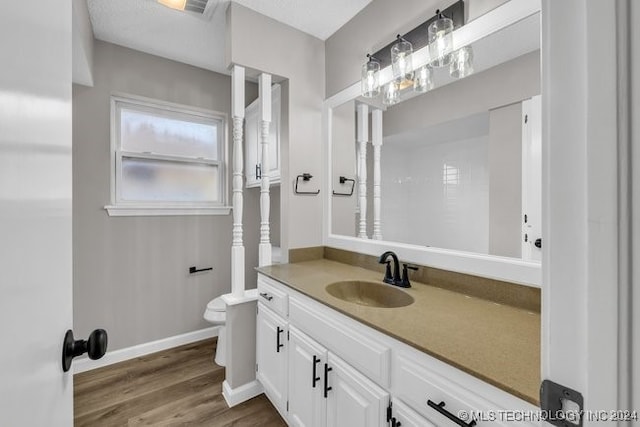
327,369
440,408
279,330
316,360
266,296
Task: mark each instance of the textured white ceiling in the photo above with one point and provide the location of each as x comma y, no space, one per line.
320,18
149,27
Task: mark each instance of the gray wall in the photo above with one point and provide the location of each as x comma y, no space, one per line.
130,273
376,26
343,163
501,85
505,180
299,58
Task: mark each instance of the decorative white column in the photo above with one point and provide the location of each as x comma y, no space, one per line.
264,249
237,246
362,136
376,141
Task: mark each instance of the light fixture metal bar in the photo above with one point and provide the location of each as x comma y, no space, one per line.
418,37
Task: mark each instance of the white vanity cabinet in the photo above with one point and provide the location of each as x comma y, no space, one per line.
403,416
309,385
253,150
271,356
339,372
307,359
352,399
325,391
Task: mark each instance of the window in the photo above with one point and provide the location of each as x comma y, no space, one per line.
166,159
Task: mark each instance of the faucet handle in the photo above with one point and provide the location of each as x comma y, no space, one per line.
405,283
388,277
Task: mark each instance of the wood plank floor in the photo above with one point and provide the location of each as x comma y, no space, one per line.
176,387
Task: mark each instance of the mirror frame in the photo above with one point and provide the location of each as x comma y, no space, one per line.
491,266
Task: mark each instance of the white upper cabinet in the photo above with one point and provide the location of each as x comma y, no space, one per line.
253,150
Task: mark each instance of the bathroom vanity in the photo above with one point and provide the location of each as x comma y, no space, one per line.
432,360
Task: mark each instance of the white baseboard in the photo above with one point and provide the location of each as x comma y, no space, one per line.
85,364
240,394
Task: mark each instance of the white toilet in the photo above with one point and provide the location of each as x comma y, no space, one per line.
216,313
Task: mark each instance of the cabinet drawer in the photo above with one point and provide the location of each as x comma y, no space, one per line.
271,294
418,385
344,337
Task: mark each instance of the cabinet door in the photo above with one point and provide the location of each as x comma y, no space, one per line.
272,356
407,417
352,399
307,405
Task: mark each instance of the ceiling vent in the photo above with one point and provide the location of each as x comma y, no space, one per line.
196,6
203,8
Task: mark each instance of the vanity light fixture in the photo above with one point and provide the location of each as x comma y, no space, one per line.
461,62
423,79
401,61
440,40
370,78
174,4
428,45
391,93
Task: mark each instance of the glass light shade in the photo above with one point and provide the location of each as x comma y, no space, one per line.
391,93
174,4
440,41
423,79
461,62
401,60
370,82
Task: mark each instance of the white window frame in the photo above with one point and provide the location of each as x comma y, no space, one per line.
119,207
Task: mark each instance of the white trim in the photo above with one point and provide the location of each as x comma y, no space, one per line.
248,296
165,210
85,364
241,394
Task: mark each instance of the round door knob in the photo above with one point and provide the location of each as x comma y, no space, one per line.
95,347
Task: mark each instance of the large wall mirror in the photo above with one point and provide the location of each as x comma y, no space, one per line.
451,177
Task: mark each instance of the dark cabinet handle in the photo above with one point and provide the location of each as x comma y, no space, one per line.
327,389
258,171
278,345
266,296
95,347
395,423
538,243
316,360
440,408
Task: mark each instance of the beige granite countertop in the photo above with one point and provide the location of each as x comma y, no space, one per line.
497,343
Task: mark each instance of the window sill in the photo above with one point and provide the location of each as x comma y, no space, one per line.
165,210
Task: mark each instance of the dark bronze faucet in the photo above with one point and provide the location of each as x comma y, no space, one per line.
396,279
388,278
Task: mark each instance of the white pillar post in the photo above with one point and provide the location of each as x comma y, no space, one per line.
362,136
264,248
237,246
376,141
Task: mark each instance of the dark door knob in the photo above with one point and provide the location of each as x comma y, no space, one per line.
538,243
95,347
